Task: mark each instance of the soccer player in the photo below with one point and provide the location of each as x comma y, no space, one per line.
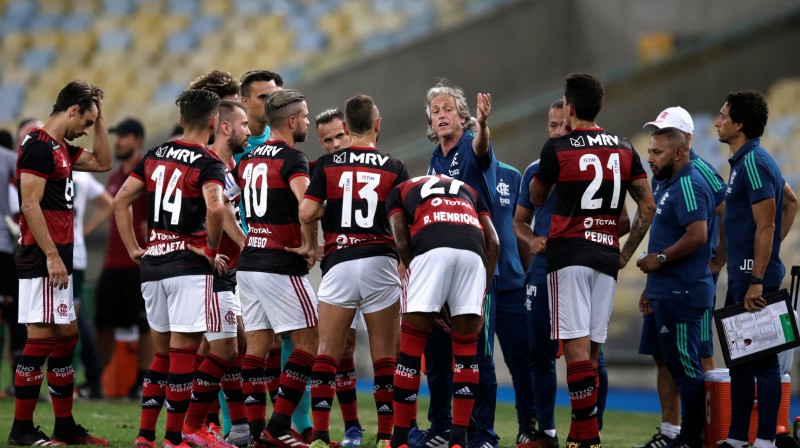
446,239
183,183
44,259
680,288
220,363
119,301
760,208
464,152
219,82
679,118
592,170
333,136
511,320
273,267
360,264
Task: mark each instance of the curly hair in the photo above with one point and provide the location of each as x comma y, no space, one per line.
748,107
219,82
77,92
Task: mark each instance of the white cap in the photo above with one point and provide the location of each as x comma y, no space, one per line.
673,117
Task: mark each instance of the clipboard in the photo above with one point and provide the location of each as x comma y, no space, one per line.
745,336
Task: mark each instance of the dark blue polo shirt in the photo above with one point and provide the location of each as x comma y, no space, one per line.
754,177
507,192
718,188
681,200
541,217
461,163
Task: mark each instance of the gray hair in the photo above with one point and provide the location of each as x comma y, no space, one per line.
457,93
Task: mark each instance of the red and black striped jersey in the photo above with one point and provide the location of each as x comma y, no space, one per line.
43,156
355,182
174,174
441,212
271,208
592,169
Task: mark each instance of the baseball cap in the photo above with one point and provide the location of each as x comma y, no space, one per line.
672,117
128,126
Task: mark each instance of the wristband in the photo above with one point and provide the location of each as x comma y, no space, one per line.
210,253
754,280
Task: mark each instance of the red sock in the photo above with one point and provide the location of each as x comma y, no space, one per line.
61,375
205,389
384,369
179,389
232,387
346,391
254,390
273,373
293,386
28,376
407,376
582,384
323,388
465,376
154,392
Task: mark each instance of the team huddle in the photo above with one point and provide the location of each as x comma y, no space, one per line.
233,210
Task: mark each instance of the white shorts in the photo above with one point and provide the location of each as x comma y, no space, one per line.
276,302
370,284
455,276
224,305
581,299
41,303
237,304
182,304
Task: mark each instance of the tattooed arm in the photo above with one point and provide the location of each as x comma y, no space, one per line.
640,192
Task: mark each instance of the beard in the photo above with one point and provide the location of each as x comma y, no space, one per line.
664,172
300,136
237,146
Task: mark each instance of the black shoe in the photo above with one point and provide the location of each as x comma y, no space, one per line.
90,391
680,442
657,441
30,437
542,440
78,435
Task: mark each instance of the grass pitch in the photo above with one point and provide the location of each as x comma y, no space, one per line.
118,421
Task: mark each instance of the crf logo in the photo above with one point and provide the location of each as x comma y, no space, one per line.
230,317
62,310
663,115
503,188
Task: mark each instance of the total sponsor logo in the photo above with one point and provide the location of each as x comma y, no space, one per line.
344,241
260,231
590,222
155,235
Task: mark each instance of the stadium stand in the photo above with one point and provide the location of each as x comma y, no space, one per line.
143,52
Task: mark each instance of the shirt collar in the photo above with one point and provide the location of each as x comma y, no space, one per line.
438,150
688,167
747,147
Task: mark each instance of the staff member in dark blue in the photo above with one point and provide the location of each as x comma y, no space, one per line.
759,211
512,328
680,287
464,152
